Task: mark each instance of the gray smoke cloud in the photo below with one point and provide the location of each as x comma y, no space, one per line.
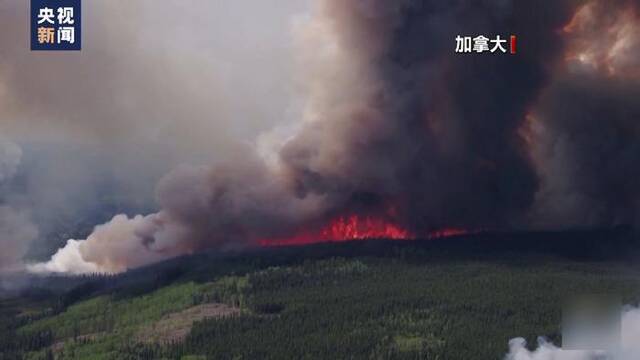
397,125
155,85
434,131
393,118
17,233
10,157
151,75
16,229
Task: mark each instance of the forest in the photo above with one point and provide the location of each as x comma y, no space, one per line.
456,298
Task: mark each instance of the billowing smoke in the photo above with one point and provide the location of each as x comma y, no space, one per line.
627,350
586,133
155,85
149,74
406,120
397,125
201,208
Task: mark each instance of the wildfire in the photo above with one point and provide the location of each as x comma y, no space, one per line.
356,227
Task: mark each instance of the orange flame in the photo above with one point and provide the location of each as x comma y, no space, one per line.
355,227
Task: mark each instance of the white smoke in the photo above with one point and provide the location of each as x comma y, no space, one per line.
363,138
110,246
202,207
628,349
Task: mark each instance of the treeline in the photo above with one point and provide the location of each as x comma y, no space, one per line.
14,345
462,299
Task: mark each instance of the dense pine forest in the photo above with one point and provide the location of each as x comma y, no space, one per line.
458,298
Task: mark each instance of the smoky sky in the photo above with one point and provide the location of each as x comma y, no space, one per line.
16,228
396,125
167,74
155,85
438,131
585,129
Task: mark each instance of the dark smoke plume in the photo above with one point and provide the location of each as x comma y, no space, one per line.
396,125
16,229
586,128
434,131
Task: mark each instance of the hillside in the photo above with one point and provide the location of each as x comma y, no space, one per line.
461,298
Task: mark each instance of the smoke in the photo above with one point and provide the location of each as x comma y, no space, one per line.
398,126
407,119
17,232
10,156
628,348
155,85
16,228
201,208
150,76
394,119
586,134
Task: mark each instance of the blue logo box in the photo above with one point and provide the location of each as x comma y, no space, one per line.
56,25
